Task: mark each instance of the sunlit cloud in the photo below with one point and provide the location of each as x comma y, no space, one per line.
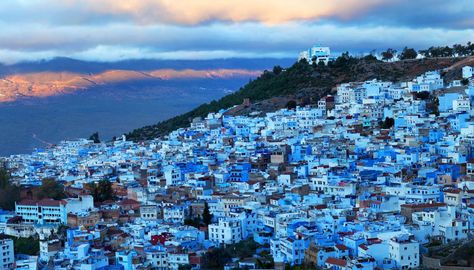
109,30
191,12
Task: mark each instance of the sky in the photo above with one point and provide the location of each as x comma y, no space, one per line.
110,30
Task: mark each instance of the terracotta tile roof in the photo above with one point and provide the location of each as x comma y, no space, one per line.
336,261
27,202
423,205
43,202
341,247
129,202
51,202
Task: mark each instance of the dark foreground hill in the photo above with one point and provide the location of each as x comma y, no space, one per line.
305,84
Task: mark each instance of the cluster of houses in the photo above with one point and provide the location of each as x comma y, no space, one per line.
337,185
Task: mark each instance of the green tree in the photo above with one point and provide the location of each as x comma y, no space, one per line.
29,246
195,222
185,267
22,245
50,188
206,214
370,57
102,191
423,95
216,258
4,178
277,70
435,102
388,54
388,123
9,193
291,105
408,53
95,137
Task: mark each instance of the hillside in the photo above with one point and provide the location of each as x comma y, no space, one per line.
303,83
43,84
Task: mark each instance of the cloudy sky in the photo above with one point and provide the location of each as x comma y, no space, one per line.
108,30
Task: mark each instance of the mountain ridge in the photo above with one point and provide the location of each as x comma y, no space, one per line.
43,84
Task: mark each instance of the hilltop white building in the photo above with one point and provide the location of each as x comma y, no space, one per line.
316,52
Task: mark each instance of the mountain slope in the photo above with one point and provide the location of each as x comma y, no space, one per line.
42,84
302,82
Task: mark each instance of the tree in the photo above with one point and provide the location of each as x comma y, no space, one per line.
277,70
185,267
388,54
464,81
216,258
28,246
370,57
423,95
102,191
50,188
4,178
9,193
408,53
291,105
388,123
23,245
195,222
206,214
95,137
435,102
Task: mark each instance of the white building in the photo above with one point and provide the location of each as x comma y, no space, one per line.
444,223
432,79
173,176
467,72
405,252
175,214
7,257
46,211
461,104
320,54
226,231
149,212
175,260
158,257
49,248
83,203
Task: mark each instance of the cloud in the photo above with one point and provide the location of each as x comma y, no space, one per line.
200,29
419,13
122,41
185,12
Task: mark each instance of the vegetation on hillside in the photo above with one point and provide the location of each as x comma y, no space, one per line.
9,193
217,258
101,191
51,189
446,51
457,50
24,245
